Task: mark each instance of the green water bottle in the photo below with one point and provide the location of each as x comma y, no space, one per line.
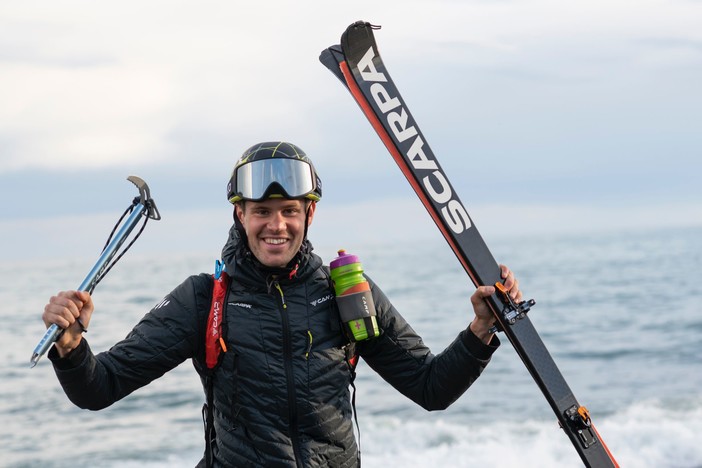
354,298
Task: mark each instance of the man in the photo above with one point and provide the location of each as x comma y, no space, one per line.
281,393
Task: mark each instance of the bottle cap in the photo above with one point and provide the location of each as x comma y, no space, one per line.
343,259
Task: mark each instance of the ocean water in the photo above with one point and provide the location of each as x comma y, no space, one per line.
619,312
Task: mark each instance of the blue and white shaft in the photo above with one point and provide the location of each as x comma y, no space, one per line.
53,332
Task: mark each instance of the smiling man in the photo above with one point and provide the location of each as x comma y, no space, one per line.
280,394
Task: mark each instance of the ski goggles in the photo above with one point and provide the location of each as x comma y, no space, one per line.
257,180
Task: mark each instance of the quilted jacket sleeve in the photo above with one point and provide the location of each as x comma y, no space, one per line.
401,358
167,335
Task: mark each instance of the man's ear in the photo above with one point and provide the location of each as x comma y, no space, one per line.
310,212
239,213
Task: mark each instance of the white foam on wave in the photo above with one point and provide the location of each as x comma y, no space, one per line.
646,435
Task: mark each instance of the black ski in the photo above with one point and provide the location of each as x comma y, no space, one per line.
357,63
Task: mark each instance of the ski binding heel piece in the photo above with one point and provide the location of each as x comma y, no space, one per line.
579,420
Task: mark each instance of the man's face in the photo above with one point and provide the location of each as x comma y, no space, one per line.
275,228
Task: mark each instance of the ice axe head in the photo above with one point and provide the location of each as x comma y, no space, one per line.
145,197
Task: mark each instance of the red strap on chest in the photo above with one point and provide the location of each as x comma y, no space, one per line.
214,341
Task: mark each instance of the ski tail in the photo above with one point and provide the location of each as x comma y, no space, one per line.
356,62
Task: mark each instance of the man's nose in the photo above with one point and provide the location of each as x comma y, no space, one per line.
277,221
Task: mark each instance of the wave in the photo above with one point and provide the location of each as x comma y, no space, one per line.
648,434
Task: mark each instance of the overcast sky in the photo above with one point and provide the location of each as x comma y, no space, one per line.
553,114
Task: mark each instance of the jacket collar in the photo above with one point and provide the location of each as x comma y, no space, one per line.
244,267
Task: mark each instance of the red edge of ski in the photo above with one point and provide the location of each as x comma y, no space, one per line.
357,64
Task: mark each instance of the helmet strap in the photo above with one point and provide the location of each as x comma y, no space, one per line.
308,206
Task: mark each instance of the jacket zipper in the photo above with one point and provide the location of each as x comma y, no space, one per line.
309,344
287,359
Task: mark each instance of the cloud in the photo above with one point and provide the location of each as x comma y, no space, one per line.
83,116
82,93
534,96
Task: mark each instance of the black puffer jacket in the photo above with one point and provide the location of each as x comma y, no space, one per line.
281,393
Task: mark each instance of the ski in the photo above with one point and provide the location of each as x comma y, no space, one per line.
358,65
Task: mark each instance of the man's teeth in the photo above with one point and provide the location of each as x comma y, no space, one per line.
275,241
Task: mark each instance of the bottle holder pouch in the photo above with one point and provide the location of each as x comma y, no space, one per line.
357,312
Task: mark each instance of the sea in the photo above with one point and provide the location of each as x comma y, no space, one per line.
618,311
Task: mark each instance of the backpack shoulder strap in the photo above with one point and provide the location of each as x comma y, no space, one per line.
215,346
214,337
351,356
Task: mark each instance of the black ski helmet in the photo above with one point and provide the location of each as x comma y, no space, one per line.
274,169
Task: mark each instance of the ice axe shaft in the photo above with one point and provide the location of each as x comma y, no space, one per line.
143,205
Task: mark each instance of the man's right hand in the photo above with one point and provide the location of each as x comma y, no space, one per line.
71,311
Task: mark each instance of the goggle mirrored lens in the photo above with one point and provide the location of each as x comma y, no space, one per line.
254,179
